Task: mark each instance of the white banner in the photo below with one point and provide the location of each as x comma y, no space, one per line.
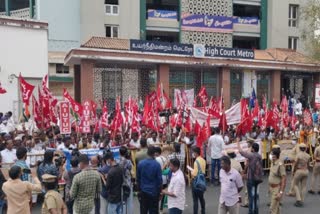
183,97
233,116
244,147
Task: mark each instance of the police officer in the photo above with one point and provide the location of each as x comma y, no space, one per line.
316,171
277,180
53,202
301,174
234,163
292,157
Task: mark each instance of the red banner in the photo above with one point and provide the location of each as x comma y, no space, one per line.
307,117
65,125
86,116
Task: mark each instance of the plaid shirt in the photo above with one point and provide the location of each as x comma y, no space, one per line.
85,187
180,157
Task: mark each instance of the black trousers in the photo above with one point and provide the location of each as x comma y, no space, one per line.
149,204
198,196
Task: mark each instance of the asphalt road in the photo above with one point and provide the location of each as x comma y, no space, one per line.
311,206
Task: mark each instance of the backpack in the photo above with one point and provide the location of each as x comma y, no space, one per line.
257,172
199,182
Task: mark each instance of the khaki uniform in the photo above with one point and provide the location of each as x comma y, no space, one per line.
52,200
292,157
316,171
301,175
277,171
236,165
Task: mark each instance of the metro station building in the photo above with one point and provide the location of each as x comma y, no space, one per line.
105,68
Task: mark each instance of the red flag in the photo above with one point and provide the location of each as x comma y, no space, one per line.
246,120
197,128
53,112
203,95
214,109
284,105
264,103
93,111
307,117
275,116
206,128
26,90
36,112
223,123
146,110
117,120
2,90
135,126
104,117
188,125
76,107
96,127
162,99
204,134
293,121
255,111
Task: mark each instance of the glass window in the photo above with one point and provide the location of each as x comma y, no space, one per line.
112,31
61,69
293,43
235,86
114,2
293,15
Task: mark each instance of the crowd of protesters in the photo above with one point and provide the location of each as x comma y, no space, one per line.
154,166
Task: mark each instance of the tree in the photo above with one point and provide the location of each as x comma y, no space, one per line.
310,14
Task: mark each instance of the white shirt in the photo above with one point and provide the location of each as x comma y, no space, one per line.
216,144
298,108
162,160
61,146
8,156
177,186
230,182
182,146
135,144
150,141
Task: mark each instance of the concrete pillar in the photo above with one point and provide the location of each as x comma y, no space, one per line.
225,85
87,80
163,77
275,86
249,82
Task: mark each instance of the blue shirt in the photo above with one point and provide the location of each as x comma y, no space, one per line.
149,176
50,169
23,165
315,117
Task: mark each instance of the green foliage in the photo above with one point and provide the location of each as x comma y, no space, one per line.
310,14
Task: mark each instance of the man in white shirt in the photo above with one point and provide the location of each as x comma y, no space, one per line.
298,108
153,140
177,189
215,145
183,140
231,186
135,142
9,154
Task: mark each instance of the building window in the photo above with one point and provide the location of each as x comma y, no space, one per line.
112,7
293,43
112,31
293,15
61,69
